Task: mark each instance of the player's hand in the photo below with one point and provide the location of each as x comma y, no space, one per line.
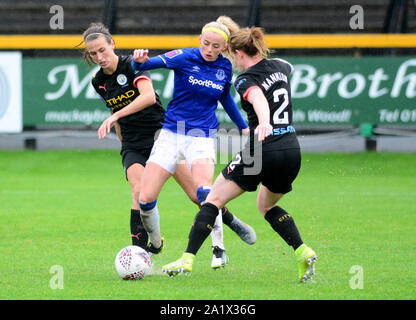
141,55
246,131
263,130
106,126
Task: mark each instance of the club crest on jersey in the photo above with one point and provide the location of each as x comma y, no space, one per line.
121,79
173,53
220,74
240,83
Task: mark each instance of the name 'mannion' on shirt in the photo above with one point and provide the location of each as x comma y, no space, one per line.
272,78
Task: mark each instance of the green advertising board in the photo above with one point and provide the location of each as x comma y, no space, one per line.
326,91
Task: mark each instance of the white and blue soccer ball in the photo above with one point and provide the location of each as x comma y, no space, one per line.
132,263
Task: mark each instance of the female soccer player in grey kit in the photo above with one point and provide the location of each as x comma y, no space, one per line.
265,94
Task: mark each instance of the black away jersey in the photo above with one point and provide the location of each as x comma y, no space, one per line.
272,77
119,90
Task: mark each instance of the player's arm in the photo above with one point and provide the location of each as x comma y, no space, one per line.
255,96
231,108
146,99
118,130
174,59
141,61
117,126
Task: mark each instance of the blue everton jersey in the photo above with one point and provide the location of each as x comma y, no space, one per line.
198,86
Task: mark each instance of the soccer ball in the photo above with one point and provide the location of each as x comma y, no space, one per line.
132,263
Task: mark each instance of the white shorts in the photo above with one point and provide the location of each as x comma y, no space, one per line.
171,148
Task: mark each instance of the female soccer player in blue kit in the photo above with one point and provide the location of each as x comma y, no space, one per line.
264,88
202,78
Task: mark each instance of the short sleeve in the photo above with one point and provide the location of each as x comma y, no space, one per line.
141,75
136,74
288,65
97,87
243,85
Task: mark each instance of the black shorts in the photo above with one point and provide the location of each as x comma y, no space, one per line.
129,157
275,169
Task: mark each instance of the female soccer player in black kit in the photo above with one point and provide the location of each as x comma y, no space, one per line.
273,160
137,114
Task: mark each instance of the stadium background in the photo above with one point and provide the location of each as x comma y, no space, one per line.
317,36
69,207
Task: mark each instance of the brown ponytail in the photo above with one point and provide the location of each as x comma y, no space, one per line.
251,41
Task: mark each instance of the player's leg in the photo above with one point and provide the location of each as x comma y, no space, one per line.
161,164
242,229
280,170
201,153
219,257
203,174
222,191
153,179
235,171
183,177
139,235
281,221
133,163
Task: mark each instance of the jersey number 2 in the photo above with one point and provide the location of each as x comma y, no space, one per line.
276,116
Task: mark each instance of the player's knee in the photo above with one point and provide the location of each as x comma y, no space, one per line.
202,193
263,207
195,200
145,197
267,200
135,193
208,213
147,207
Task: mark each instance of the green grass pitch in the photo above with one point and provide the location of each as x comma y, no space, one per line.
71,209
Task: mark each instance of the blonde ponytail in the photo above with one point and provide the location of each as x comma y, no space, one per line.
229,23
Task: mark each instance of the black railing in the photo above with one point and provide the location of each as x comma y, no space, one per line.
110,15
254,12
397,16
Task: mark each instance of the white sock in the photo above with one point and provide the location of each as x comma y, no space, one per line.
217,233
151,223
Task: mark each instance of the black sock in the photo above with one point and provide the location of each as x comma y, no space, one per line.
202,227
227,216
284,225
139,236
